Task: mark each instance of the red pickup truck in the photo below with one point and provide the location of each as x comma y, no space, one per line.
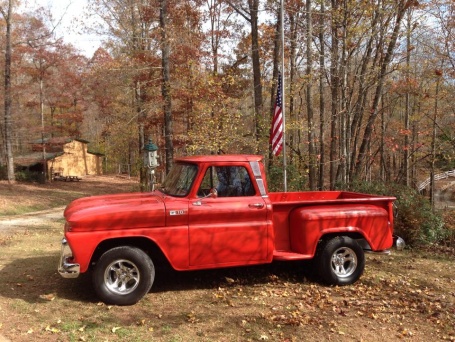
213,212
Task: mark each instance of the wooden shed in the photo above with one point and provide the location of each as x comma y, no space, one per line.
63,157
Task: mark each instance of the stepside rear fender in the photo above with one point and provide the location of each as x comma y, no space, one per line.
309,224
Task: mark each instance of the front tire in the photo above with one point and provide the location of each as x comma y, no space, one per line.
123,275
341,261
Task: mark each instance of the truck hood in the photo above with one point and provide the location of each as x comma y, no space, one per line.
121,211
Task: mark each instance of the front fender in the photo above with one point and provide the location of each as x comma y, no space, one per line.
173,243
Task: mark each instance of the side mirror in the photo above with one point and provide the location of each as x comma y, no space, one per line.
213,193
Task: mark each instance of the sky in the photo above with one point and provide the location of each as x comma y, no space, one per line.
68,11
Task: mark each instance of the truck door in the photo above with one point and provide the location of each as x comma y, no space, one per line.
230,229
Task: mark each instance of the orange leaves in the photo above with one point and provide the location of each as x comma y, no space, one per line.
406,85
192,318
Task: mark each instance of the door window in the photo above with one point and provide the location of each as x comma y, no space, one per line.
229,181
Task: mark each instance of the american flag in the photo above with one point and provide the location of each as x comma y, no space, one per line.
276,133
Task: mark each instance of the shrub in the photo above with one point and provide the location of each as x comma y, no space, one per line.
296,181
3,173
449,221
29,176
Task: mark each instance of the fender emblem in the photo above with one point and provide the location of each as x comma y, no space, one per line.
176,212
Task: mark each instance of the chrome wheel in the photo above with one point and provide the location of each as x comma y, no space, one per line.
341,260
344,262
122,277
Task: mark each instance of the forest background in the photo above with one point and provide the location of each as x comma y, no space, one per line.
369,85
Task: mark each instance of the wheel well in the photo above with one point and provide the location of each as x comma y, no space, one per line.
353,235
148,246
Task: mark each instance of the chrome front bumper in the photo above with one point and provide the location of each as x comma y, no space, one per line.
65,268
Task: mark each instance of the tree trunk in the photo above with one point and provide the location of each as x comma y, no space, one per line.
41,100
382,164
143,177
309,100
363,151
344,111
165,90
7,15
407,108
321,100
433,143
361,102
293,28
258,111
334,88
252,17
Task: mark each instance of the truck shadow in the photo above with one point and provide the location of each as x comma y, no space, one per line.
36,280
169,280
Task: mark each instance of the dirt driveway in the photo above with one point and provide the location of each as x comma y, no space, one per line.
38,218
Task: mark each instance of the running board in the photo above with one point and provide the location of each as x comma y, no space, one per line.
384,252
287,255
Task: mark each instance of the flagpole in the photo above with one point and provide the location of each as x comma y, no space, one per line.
283,109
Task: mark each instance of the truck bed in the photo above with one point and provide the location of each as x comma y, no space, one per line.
285,202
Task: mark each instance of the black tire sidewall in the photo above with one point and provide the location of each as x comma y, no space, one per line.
324,260
136,256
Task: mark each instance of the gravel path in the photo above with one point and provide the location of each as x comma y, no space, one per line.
37,218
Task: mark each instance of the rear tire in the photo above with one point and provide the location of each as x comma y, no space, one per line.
123,275
341,261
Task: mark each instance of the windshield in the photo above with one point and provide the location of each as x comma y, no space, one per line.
179,180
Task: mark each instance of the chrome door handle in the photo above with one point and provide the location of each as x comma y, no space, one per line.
256,205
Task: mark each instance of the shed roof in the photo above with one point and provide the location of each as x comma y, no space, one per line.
34,158
58,140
